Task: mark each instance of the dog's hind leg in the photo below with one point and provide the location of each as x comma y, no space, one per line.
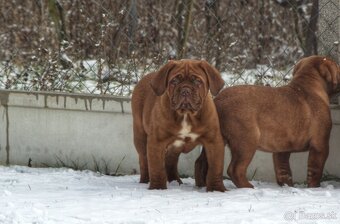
201,169
140,139
316,162
171,163
144,171
240,160
282,168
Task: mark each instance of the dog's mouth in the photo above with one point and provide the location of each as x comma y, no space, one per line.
186,99
185,104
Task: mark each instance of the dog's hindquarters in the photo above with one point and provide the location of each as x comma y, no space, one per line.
254,118
141,91
239,130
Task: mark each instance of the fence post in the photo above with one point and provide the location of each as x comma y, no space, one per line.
329,29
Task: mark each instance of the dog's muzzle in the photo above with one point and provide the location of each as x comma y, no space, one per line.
186,99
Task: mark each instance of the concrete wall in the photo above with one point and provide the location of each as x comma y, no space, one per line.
95,132
56,129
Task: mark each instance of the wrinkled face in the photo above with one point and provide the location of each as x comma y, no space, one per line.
187,87
186,83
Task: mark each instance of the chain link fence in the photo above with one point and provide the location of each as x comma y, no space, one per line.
105,47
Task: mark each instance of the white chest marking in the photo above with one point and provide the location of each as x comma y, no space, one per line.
186,130
184,133
178,143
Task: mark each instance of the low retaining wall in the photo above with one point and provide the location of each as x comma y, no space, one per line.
95,132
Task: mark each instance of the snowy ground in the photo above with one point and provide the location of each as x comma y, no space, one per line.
46,195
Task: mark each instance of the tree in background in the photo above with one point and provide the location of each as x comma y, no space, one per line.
305,21
183,20
54,39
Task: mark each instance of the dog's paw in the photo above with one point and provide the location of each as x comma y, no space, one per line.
219,187
245,185
313,184
200,183
175,178
144,180
157,186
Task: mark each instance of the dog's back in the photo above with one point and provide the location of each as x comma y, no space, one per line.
275,119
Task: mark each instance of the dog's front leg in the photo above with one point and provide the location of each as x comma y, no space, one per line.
156,163
316,162
171,163
214,150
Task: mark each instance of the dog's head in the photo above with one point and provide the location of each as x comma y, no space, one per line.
187,83
320,66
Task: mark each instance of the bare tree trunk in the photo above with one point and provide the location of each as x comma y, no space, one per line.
175,10
207,9
179,24
260,34
305,29
219,40
56,13
115,37
214,35
209,5
182,44
133,22
311,46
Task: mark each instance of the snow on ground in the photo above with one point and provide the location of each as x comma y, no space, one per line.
49,195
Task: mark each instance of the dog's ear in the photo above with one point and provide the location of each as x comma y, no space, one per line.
215,80
330,71
159,82
326,68
296,67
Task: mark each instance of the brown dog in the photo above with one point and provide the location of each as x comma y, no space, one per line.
282,120
173,112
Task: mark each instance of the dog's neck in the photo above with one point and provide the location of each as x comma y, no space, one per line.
313,85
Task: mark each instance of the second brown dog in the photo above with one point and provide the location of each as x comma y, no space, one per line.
282,120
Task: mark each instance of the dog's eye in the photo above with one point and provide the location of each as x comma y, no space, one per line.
196,81
175,81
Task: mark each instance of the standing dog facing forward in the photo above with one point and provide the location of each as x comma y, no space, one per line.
282,120
173,112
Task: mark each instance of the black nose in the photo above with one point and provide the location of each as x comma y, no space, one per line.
185,91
